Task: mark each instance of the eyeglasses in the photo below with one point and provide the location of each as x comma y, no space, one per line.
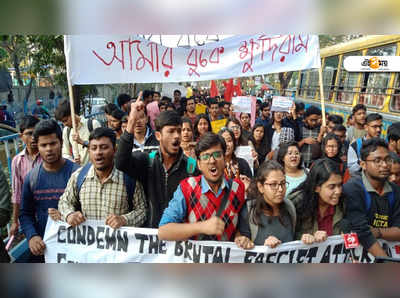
379,161
217,155
235,127
275,186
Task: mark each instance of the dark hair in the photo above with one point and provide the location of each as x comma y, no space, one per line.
147,93
332,136
124,119
212,101
337,119
103,132
262,150
47,127
221,104
27,122
165,99
370,145
264,105
109,108
394,157
339,127
207,141
226,129
359,107
373,117
283,150
178,91
393,132
196,133
156,92
117,114
187,120
170,105
167,118
63,110
312,110
320,172
299,106
123,99
260,205
242,140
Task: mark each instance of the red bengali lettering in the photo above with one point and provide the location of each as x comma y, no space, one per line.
109,46
192,62
171,62
301,44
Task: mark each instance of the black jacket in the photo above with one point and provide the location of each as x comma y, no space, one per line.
5,212
150,142
360,218
159,185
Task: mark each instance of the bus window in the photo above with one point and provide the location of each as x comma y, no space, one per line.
374,84
313,84
347,85
303,79
329,75
395,101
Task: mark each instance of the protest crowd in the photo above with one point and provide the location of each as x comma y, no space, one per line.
195,168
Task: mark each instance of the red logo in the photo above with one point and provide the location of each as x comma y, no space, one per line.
397,249
350,240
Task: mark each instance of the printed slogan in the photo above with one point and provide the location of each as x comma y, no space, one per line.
94,242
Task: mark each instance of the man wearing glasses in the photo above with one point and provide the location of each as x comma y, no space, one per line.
373,205
205,207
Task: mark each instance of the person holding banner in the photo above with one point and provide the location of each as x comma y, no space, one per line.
100,191
160,171
43,186
205,207
84,128
320,203
267,218
374,208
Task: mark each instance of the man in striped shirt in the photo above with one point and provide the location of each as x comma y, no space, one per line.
21,164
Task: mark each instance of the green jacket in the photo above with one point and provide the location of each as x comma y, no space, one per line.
309,226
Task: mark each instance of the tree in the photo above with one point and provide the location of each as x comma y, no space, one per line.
17,50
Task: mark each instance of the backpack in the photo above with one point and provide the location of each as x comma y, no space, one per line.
128,182
190,166
367,198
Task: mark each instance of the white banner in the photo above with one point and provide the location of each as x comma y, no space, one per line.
94,242
97,59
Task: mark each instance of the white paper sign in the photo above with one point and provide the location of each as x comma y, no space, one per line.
241,104
94,242
281,104
99,59
245,153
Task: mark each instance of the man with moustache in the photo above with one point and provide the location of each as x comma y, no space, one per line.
357,131
373,205
115,122
44,185
21,164
205,207
161,170
190,110
100,191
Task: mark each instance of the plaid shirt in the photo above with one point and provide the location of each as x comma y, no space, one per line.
306,150
20,166
99,200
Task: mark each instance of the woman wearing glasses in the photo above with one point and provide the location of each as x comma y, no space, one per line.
290,159
319,202
241,137
267,218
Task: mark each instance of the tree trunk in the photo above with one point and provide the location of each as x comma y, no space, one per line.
17,70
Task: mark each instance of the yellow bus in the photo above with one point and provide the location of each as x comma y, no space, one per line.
379,91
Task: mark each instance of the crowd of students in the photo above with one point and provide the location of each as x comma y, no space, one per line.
156,163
